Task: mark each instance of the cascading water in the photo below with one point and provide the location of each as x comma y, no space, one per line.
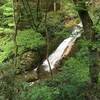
66,45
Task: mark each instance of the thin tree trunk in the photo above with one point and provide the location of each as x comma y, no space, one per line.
54,5
47,41
15,33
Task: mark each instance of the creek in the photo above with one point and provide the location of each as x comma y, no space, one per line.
63,49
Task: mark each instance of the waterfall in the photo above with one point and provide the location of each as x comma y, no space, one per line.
66,45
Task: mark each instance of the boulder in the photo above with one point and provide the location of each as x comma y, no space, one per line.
29,60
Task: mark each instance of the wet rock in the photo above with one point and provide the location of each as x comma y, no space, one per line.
28,76
31,76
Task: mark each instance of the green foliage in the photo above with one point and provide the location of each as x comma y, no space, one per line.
8,88
6,15
68,84
54,23
39,93
27,39
7,47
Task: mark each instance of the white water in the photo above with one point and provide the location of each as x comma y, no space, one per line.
58,54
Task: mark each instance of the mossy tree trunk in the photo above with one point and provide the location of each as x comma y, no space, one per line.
89,35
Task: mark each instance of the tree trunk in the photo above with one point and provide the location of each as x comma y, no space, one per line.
54,4
89,34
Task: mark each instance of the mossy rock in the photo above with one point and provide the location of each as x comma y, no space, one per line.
28,76
71,22
29,60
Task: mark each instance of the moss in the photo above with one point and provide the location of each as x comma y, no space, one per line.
72,23
29,39
26,39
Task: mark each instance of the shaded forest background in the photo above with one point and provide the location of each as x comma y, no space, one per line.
24,46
